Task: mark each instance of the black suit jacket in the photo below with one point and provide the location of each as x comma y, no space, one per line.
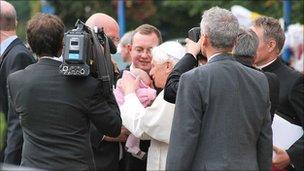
185,64
56,111
106,153
274,92
291,105
14,58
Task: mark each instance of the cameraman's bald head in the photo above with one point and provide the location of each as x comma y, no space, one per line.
110,26
8,17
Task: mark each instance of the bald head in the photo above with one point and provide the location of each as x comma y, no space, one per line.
8,16
110,26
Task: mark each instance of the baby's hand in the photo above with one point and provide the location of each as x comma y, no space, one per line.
129,84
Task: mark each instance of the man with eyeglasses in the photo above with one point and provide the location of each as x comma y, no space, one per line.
144,38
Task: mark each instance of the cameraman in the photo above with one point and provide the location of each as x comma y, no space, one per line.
56,110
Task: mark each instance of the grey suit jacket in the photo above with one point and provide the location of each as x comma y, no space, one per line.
222,119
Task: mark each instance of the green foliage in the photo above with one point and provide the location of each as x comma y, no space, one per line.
71,10
2,129
23,14
23,9
173,17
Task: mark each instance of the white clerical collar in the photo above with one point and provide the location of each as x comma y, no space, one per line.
132,67
213,56
265,65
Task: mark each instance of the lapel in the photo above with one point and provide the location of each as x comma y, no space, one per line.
13,44
221,57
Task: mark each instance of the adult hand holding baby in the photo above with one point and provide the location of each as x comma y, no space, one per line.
129,83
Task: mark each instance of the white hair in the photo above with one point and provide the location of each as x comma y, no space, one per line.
126,38
168,51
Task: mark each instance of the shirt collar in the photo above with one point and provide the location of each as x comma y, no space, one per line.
53,58
6,43
265,65
213,56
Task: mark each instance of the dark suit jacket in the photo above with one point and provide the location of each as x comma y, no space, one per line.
291,106
106,153
273,82
14,58
185,64
221,119
188,62
56,111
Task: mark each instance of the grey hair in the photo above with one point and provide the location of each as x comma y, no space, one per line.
8,17
272,29
126,38
246,43
220,26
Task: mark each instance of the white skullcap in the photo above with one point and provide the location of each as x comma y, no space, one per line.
169,50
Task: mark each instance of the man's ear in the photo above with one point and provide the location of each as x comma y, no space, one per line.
169,67
203,40
271,45
129,47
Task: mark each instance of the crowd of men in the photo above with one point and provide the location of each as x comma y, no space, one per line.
215,115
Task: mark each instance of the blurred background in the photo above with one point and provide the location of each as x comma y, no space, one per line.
173,17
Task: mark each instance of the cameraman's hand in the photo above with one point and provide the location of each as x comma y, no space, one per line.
192,47
129,84
123,136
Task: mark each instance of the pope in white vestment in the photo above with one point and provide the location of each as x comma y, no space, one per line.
153,122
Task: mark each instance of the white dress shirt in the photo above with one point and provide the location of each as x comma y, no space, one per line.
6,43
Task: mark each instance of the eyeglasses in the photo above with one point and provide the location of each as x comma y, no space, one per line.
140,51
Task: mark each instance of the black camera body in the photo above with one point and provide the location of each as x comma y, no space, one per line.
76,53
86,52
194,34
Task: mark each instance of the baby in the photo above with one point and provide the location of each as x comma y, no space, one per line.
145,95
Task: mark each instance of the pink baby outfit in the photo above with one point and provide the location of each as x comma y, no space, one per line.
145,95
